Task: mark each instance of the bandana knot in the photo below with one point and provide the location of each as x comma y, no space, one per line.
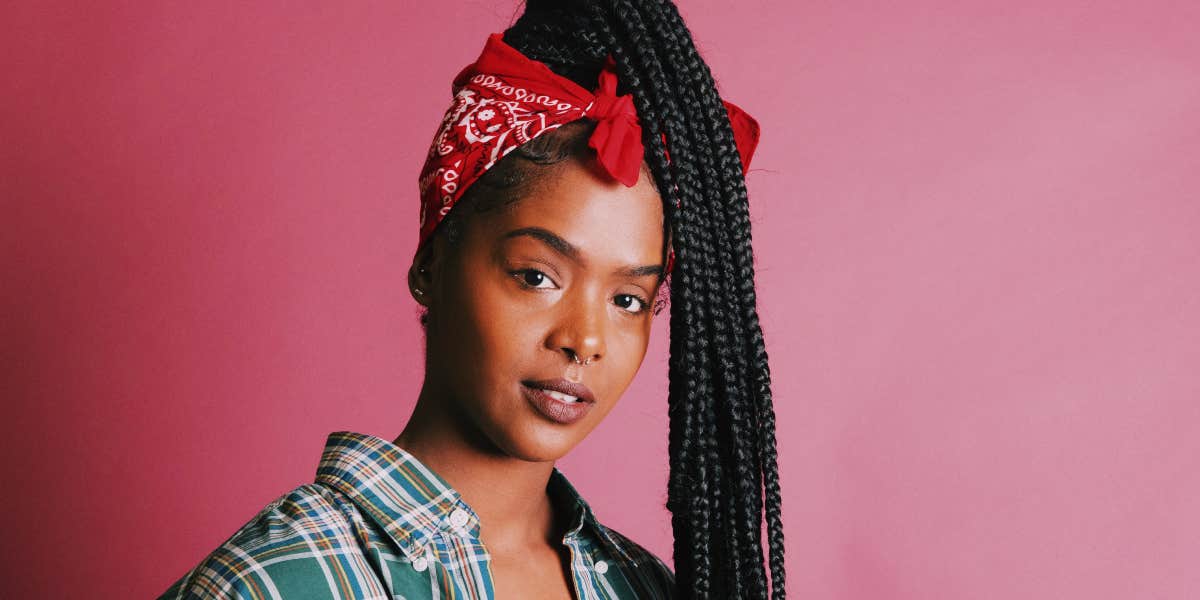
617,138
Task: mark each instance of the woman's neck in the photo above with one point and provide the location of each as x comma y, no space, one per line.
508,494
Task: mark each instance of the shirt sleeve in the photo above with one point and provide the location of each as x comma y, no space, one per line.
662,576
228,571
300,547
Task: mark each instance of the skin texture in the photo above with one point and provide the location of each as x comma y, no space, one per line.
505,309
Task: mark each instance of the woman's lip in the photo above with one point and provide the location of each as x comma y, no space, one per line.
554,409
564,386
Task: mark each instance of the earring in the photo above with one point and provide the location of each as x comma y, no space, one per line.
418,291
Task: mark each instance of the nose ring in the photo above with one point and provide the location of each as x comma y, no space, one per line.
576,357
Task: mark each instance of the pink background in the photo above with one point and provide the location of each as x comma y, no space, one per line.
978,234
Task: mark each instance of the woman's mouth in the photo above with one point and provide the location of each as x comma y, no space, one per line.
552,400
561,396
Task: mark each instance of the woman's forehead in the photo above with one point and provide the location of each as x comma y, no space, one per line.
592,212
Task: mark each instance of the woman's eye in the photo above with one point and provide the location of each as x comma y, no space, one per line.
532,278
627,300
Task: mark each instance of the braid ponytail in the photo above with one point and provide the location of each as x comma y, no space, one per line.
723,461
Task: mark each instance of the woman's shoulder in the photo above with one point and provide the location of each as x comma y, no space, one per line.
286,546
649,572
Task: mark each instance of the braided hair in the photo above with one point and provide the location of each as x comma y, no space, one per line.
723,467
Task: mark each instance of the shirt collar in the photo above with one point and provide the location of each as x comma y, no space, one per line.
411,502
559,487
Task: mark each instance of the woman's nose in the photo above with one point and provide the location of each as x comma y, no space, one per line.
579,332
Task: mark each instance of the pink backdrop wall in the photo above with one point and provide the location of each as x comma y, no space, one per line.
978,234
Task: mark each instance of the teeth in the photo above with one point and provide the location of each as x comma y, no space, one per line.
561,396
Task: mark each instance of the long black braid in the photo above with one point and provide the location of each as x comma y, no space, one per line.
722,441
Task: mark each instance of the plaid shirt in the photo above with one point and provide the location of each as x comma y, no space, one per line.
379,524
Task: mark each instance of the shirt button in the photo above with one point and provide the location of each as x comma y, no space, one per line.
420,564
601,567
459,517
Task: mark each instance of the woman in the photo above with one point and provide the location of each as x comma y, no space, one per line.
586,159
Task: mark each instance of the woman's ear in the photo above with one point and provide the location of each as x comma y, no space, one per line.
422,275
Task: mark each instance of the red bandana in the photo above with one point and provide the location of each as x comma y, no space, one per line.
505,99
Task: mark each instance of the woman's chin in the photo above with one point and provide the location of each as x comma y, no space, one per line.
539,443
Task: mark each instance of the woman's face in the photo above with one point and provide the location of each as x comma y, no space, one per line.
565,276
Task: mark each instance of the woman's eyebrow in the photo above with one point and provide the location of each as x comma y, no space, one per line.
560,245
568,250
642,271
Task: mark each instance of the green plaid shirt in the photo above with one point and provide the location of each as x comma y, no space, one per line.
379,524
